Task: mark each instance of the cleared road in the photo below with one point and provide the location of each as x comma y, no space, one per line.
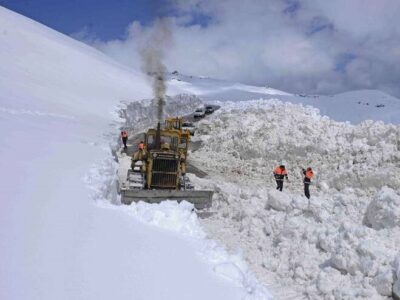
133,143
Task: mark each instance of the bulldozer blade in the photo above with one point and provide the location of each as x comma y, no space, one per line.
201,199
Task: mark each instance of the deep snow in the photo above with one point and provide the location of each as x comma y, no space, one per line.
63,235
59,236
344,243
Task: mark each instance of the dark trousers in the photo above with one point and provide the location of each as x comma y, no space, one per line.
307,189
279,183
124,140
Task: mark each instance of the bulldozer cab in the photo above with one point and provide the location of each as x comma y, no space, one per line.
175,124
168,139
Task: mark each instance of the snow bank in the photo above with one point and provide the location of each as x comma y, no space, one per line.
141,115
319,248
384,210
180,218
272,132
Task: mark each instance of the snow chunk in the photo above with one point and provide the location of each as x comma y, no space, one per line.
384,210
170,215
328,280
383,282
396,285
396,290
278,200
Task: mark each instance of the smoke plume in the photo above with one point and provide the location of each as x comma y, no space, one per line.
152,52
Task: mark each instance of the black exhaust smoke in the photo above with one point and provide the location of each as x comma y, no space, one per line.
152,52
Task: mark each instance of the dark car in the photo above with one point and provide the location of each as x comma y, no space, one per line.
209,109
199,113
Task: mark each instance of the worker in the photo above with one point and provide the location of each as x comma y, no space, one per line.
141,145
308,175
280,173
139,155
124,136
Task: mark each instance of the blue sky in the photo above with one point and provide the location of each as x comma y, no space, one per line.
300,46
106,19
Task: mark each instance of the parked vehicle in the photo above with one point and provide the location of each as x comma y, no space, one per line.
209,109
189,127
199,113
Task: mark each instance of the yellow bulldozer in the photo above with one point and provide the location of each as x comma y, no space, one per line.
158,171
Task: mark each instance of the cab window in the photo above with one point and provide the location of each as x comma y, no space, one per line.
183,143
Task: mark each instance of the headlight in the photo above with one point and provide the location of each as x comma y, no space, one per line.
154,155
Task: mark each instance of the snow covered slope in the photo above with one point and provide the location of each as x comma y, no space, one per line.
354,106
58,101
41,66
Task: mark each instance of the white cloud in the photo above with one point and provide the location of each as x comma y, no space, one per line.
300,46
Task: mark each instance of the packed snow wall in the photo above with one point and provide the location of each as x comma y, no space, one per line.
344,243
138,116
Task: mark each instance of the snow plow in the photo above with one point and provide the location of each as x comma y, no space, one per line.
158,170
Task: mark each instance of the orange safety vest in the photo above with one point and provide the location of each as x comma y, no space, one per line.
124,134
309,174
279,171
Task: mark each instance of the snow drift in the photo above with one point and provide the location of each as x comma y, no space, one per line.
341,244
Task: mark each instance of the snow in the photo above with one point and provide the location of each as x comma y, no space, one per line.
214,89
384,210
396,285
353,106
62,234
180,218
322,248
278,201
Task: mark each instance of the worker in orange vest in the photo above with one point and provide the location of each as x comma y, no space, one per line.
124,136
308,175
280,173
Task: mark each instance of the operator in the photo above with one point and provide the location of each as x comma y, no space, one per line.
141,145
140,154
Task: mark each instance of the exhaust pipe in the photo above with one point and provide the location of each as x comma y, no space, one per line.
158,136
